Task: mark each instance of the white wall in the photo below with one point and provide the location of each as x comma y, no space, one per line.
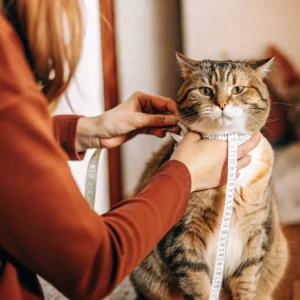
86,97
147,38
233,29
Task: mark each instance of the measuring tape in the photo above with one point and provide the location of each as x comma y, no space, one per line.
91,178
234,140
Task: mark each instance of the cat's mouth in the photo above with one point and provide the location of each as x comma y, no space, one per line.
216,120
221,115
224,120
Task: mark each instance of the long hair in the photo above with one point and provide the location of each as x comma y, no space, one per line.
51,32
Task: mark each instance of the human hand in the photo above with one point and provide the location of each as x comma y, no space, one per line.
207,159
141,113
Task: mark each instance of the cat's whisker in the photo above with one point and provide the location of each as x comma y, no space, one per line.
268,121
201,113
196,120
256,122
189,113
254,109
272,136
252,118
271,120
288,104
241,61
189,119
201,124
205,112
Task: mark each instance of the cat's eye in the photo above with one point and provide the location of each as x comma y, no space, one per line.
206,91
237,90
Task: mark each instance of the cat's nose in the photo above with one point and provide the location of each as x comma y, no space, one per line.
222,105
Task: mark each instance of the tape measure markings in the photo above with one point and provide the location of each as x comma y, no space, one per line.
234,140
91,178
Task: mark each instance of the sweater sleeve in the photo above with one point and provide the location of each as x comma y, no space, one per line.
46,223
65,129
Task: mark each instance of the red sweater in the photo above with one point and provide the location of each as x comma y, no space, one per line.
47,227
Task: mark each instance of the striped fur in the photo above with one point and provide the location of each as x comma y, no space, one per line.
182,264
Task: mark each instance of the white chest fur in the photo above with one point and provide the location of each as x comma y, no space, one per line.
248,173
233,253
235,243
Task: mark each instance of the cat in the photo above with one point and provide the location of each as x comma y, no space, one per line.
182,264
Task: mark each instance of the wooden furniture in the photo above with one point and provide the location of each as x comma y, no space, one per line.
110,86
289,288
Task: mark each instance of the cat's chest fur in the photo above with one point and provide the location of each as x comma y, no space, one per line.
257,155
237,237
233,254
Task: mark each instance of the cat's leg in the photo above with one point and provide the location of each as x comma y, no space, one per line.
192,277
224,296
150,279
243,284
187,264
257,276
244,281
273,268
195,285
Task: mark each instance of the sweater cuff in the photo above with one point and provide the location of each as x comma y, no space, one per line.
65,130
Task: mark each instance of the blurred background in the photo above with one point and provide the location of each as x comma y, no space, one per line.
140,38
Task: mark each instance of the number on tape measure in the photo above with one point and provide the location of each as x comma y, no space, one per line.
233,141
91,178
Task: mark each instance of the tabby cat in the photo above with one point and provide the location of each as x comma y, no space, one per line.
182,264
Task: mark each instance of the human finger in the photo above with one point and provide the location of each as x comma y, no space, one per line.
192,137
243,162
248,146
141,120
157,103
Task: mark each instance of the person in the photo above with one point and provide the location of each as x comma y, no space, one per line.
47,227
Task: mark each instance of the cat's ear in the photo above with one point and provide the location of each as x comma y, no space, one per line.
263,66
187,65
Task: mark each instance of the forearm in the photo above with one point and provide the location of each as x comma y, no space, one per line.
59,237
136,225
56,234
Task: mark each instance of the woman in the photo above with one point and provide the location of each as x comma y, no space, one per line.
47,227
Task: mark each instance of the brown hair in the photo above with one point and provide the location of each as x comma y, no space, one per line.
51,32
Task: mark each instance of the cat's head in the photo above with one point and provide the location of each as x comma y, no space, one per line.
222,97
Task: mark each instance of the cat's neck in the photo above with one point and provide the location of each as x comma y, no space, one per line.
215,131
241,137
